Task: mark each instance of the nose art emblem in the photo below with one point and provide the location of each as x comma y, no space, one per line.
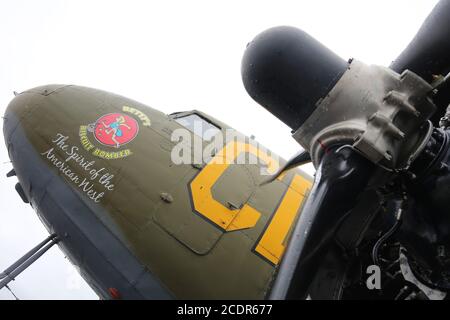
115,129
105,137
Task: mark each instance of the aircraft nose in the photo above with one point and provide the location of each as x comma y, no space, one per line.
76,131
21,129
62,144
21,108
46,123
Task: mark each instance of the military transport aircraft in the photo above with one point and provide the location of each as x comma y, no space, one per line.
155,206
138,225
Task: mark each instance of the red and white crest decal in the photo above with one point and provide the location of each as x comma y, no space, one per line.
115,129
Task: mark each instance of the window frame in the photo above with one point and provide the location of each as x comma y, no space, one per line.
183,114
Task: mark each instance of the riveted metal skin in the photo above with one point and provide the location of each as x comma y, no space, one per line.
129,217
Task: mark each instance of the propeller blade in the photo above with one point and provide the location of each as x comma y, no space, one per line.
286,71
341,177
299,159
428,53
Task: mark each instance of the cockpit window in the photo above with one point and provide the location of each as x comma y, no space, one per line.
201,127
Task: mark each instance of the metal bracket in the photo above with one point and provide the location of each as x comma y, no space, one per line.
27,260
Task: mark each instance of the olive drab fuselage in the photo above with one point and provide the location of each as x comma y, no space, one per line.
206,230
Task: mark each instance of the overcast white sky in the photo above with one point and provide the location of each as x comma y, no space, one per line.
172,56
